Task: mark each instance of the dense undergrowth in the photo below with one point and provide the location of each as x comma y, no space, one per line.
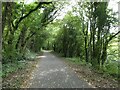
20,62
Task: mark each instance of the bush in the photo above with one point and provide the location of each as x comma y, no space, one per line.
30,55
12,61
11,56
11,67
111,68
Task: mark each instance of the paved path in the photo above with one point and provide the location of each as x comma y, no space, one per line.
51,72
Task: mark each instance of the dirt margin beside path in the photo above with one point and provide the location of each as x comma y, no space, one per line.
20,78
17,79
93,77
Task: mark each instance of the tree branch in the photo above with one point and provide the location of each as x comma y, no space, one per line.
23,17
113,36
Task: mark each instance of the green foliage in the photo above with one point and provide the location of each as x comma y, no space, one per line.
0,73
113,50
76,60
29,55
11,68
12,57
19,33
18,61
112,69
84,32
68,40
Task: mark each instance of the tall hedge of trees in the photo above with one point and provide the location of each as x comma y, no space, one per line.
85,32
23,27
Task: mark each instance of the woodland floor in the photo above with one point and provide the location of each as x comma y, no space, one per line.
51,71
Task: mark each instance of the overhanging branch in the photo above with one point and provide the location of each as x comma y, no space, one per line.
113,36
31,11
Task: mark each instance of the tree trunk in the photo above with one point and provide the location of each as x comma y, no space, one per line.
5,13
21,38
86,46
104,53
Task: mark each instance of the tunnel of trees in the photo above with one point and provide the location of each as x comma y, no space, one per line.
84,32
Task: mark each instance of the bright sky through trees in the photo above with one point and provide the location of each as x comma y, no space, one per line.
29,1
112,5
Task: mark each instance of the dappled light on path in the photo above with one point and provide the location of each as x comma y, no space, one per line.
47,50
51,72
44,73
40,57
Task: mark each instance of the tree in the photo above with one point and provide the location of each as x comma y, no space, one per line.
99,34
16,33
67,40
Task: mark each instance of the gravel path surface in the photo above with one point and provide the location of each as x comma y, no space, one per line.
51,72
